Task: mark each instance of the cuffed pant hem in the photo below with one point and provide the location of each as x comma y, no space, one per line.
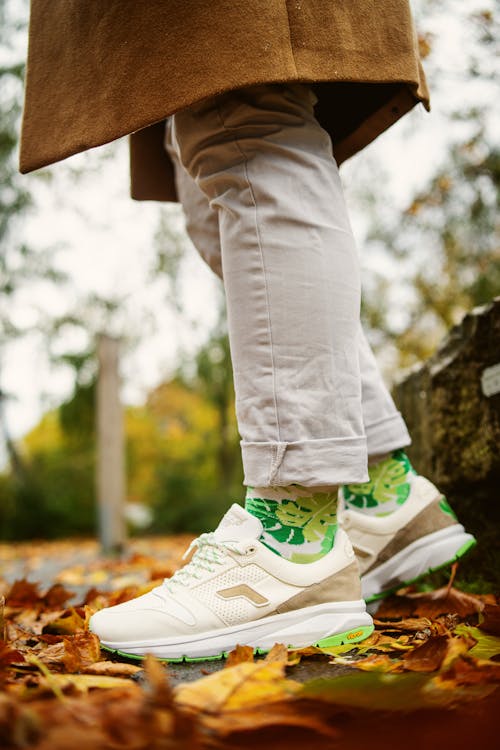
311,463
387,434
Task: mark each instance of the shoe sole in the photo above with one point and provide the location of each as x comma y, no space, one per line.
426,555
323,625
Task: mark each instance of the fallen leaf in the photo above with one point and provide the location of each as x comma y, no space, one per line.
57,596
278,653
373,690
457,647
72,620
238,655
428,657
9,655
3,624
23,594
490,621
158,682
112,669
468,671
246,684
486,647
84,682
72,653
373,663
283,715
430,604
80,651
410,624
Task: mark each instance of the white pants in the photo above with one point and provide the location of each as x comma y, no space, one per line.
264,207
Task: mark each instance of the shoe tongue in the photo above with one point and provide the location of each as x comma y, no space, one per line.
238,525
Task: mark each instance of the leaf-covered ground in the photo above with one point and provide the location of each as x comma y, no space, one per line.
428,676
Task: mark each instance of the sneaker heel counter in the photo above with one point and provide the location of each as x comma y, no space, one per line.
345,585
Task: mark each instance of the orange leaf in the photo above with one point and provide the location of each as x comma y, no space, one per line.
238,655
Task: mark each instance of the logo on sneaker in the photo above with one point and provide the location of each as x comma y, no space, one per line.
356,634
245,592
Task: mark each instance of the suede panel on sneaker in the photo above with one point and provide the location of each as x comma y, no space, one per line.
339,587
430,519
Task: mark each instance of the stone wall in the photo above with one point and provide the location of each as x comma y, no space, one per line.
452,408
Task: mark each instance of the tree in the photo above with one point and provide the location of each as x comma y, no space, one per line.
445,243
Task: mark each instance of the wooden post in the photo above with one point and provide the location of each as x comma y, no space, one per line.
110,448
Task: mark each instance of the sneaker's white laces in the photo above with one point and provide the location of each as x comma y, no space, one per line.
210,551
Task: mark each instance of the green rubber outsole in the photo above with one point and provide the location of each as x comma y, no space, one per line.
387,592
349,636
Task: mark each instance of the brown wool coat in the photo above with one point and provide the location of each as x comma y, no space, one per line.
101,69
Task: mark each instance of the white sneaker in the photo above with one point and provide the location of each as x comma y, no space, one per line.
236,591
418,538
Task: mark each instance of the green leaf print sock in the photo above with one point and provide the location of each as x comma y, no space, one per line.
388,488
299,522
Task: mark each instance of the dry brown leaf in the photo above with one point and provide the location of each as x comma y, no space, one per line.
490,622
57,596
430,604
428,657
71,653
238,655
410,624
9,655
112,669
53,655
80,651
23,594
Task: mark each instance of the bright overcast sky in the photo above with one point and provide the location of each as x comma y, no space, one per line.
106,247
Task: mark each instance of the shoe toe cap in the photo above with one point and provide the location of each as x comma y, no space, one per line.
147,618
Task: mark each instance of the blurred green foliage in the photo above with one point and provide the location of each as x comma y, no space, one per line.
182,447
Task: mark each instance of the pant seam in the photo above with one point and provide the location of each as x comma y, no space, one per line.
261,252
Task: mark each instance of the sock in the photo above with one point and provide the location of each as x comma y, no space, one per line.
299,522
388,488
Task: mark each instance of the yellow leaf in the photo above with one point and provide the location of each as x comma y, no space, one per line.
70,622
244,685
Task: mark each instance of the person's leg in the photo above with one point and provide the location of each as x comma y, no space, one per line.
292,288
380,544
384,425
291,279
